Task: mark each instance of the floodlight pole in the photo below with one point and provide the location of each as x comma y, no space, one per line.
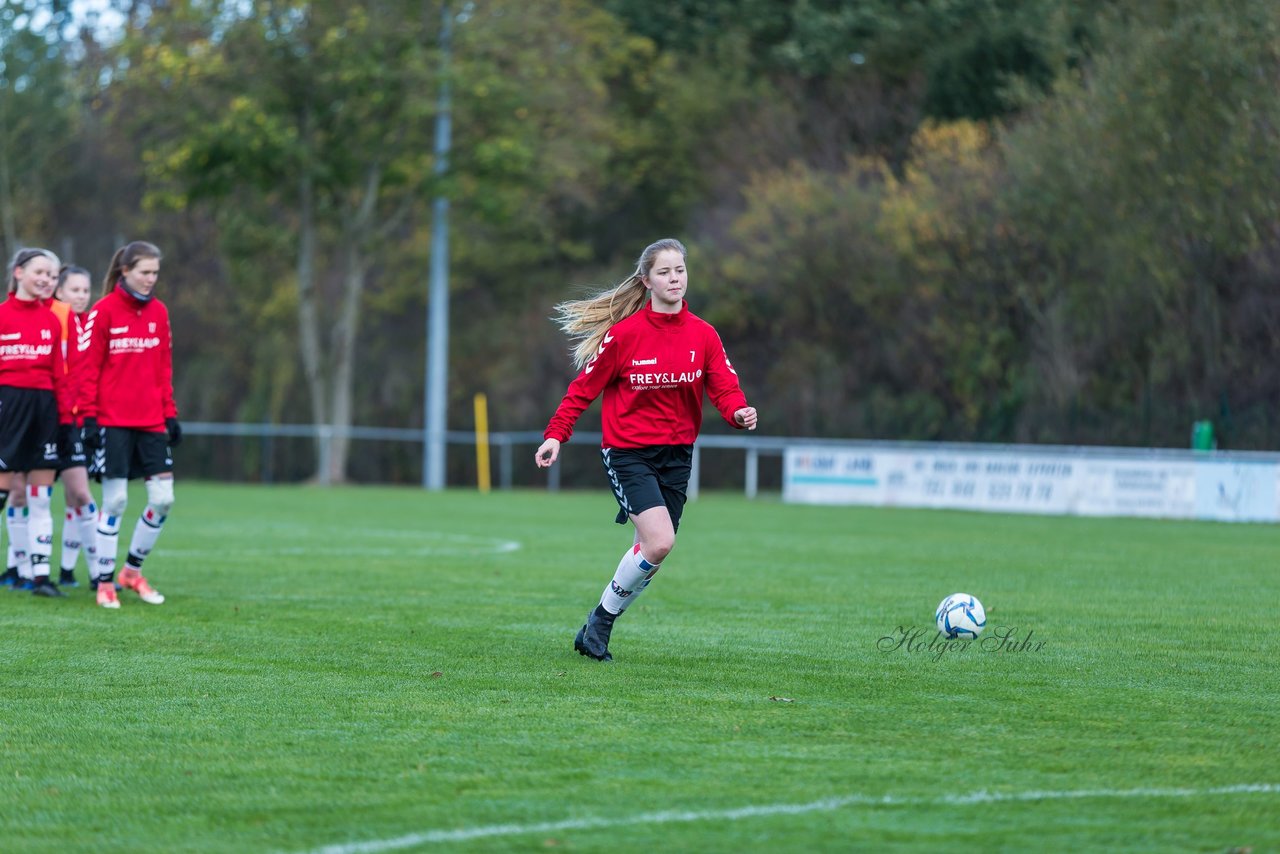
437,367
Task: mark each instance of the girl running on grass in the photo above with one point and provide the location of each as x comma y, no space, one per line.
652,359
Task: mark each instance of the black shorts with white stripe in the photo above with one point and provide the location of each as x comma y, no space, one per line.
643,478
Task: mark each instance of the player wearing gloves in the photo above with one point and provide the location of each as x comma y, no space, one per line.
130,419
652,359
35,401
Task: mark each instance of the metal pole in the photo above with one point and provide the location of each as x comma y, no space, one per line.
437,368
694,472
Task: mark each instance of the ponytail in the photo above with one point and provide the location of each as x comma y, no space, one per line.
124,259
586,321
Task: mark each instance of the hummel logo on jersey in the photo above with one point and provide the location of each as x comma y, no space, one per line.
12,336
653,361
119,330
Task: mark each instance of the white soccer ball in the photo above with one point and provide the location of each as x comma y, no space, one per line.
961,616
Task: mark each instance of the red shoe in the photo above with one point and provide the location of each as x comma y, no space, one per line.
107,595
132,579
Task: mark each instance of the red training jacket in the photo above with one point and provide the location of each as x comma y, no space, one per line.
126,370
652,369
31,352
72,325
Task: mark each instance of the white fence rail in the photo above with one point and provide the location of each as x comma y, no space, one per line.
1011,478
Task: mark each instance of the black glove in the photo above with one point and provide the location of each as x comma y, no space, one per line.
175,432
91,435
66,441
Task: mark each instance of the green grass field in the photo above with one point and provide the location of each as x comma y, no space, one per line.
377,669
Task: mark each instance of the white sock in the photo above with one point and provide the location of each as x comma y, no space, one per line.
631,577
70,555
18,547
107,537
145,534
115,500
40,529
87,519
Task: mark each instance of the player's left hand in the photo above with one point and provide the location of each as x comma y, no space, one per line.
174,429
745,417
547,453
66,440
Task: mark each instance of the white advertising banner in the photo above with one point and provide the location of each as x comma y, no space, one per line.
1011,481
1241,492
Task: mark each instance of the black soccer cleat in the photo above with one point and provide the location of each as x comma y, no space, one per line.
593,638
10,577
45,587
67,578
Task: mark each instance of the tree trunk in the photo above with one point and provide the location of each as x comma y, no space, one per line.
356,237
8,220
313,362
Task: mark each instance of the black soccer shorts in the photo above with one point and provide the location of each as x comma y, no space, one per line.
28,429
133,453
642,478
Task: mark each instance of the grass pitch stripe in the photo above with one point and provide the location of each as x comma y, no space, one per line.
825,805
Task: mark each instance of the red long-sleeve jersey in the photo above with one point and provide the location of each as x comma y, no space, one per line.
126,375
71,325
652,369
31,351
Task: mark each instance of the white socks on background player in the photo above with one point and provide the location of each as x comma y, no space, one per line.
115,498
16,521
80,530
40,529
629,580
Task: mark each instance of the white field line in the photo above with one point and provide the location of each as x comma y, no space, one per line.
496,548
826,805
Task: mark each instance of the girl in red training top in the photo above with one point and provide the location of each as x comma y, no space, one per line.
35,403
651,358
71,305
126,401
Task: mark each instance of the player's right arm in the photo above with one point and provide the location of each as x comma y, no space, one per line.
91,347
596,374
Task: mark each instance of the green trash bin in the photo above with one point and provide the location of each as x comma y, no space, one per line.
1202,436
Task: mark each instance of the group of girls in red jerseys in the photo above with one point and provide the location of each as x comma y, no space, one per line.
84,391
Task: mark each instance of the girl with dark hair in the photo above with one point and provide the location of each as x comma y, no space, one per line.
79,529
126,401
35,402
652,359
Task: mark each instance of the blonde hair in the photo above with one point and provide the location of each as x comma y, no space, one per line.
587,320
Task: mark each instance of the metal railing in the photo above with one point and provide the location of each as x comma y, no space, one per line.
753,446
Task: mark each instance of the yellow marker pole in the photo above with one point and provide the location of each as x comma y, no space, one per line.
482,442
